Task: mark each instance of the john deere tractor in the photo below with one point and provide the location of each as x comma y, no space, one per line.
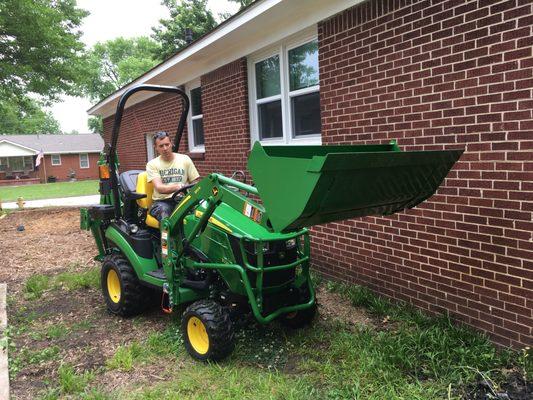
230,248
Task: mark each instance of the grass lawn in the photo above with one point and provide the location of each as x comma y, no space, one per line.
403,355
49,190
63,344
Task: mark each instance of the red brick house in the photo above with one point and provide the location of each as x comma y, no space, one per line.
433,75
63,157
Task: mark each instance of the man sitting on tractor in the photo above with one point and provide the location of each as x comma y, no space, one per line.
168,172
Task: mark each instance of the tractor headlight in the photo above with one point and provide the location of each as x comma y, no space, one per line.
291,243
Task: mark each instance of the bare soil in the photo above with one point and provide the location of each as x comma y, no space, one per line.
51,243
334,306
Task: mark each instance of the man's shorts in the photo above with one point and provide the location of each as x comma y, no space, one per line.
162,209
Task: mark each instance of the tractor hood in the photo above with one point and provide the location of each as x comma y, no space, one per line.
301,186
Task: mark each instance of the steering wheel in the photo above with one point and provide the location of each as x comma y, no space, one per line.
175,196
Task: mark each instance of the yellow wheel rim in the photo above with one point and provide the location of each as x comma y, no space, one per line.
197,335
113,286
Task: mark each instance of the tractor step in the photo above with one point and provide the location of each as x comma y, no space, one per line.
158,273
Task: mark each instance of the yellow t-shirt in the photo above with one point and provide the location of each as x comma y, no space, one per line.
180,170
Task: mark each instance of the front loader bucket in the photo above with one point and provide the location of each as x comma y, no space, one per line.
301,186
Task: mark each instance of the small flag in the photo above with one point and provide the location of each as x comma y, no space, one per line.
40,156
38,160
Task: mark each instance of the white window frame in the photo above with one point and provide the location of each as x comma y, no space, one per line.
193,148
52,159
88,162
282,50
150,147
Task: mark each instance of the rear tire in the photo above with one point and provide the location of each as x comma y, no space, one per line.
207,331
122,291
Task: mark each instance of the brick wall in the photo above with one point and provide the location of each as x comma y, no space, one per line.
226,123
439,75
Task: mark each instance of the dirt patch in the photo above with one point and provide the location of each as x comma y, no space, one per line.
513,388
150,374
334,306
91,336
51,241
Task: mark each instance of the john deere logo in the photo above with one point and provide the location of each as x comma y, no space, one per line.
215,191
281,255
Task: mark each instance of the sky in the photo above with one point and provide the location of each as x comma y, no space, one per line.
110,19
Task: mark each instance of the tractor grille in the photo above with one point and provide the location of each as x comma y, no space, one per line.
276,254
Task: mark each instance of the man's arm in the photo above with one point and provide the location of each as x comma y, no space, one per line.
165,188
169,187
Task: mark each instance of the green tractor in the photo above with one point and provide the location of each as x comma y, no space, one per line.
230,248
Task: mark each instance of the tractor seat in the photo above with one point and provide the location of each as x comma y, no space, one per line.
145,187
128,183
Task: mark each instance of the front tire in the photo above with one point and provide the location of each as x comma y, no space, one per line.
207,331
121,289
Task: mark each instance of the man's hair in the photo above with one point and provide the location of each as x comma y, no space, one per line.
160,135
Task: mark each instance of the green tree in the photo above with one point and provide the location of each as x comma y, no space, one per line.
115,63
40,47
243,3
188,14
96,125
26,116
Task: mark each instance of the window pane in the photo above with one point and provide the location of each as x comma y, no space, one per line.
196,101
28,162
84,161
56,159
270,120
198,128
303,66
3,163
306,114
16,163
267,77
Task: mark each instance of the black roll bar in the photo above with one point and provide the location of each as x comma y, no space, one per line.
112,151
